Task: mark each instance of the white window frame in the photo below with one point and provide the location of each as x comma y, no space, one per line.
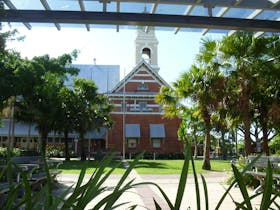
156,143
133,141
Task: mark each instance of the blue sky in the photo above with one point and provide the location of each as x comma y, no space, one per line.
176,52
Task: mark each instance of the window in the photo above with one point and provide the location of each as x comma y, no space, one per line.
146,54
142,106
132,143
156,143
142,86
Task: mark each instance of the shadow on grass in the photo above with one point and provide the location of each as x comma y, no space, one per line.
151,164
78,165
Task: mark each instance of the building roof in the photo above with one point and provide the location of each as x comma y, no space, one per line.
104,76
177,15
149,68
24,130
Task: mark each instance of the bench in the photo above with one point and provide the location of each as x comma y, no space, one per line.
259,167
34,165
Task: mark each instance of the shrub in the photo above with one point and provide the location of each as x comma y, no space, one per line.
13,152
249,180
85,193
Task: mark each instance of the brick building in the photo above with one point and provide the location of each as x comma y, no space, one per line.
138,121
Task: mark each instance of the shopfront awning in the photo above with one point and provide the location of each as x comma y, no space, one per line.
157,131
132,130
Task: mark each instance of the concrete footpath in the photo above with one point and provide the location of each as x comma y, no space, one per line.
143,195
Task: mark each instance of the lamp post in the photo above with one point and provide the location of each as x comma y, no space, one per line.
124,109
76,145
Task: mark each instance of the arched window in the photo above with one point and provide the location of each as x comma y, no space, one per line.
146,54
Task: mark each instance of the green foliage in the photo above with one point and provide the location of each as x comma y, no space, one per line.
275,144
249,180
57,150
13,152
83,193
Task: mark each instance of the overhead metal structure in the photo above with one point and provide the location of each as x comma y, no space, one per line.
179,15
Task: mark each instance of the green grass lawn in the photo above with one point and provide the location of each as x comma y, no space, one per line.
147,166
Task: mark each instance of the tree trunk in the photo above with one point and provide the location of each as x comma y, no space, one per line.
224,155
44,136
265,147
245,110
82,145
67,155
206,161
195,143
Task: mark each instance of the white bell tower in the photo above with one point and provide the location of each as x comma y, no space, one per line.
146,47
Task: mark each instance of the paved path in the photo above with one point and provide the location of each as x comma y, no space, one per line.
143,195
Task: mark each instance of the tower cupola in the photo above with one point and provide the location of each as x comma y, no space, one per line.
146,46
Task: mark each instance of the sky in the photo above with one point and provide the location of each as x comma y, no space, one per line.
176,53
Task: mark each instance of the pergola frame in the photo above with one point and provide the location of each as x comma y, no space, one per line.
185,20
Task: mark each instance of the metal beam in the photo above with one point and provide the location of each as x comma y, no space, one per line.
82,7
48,8
110,18
11,6
187,12
246,4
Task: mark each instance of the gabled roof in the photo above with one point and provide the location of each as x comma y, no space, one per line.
153,71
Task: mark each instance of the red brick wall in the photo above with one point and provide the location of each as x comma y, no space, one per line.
171,143
132,87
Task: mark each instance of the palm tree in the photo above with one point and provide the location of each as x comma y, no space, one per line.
91,111
243,53
202,84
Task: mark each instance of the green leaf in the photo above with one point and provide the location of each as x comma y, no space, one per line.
198,201
242,186
157,205
184,176
248,166
205,193
267,188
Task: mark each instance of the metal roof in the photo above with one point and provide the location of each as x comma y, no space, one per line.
106,77
177,15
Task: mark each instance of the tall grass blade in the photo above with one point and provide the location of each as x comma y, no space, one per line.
205,192
267,188
157,205
78,190
197,191
248,166
184,176
242,186
161,191
124,176
27,187
12,196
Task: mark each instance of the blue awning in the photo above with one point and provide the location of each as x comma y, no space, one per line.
132,130
96,134
157,131
20,129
